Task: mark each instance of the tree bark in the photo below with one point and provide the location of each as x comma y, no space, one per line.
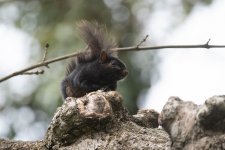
99,121
22,145
192,126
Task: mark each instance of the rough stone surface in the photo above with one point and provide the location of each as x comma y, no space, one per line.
195,127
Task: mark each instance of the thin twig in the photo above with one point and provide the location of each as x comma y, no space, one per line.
142,41
208,41
45,53
134,48
43,60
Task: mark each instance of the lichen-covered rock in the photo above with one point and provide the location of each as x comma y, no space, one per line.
191,126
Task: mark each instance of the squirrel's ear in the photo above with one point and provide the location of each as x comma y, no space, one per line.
103,56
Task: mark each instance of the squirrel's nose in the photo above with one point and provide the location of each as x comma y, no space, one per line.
125,72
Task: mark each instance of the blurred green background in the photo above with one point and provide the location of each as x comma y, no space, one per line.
53,22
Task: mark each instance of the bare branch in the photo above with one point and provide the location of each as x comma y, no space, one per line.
34,72
37,65
134,48
124,49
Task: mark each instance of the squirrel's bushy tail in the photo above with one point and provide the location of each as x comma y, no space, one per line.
95,36
97,39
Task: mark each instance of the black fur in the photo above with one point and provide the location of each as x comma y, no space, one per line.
95,68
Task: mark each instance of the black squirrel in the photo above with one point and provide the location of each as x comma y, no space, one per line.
96,68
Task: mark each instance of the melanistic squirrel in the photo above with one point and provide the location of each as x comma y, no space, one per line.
95,68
